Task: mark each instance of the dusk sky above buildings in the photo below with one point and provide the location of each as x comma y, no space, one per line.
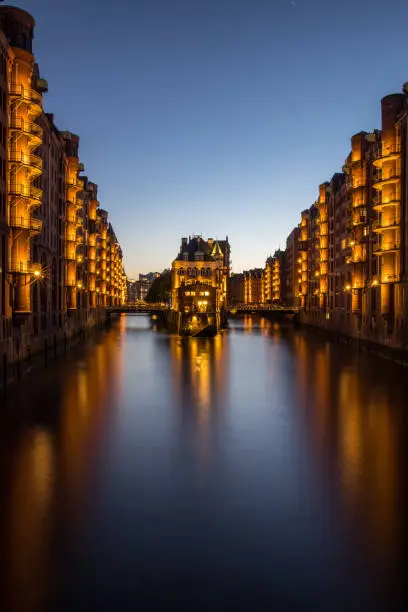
218,117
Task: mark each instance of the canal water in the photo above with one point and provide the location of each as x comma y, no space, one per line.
264,469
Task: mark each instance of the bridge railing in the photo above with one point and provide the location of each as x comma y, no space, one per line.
262,307
137,307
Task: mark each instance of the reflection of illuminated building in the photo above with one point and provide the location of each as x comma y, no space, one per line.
352,435
200,382
51,470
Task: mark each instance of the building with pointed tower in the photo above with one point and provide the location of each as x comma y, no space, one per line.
199,281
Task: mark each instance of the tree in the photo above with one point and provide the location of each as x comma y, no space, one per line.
160,291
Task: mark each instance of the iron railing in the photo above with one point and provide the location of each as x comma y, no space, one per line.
28,223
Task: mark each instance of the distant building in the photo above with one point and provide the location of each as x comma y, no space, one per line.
236,289
138,289
150,277
131,290
293,268
275,278
254,286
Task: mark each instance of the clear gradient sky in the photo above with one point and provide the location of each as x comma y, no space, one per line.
215,116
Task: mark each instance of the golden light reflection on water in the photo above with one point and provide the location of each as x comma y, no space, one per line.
354,429
55,461
28,526
88,393
200,382
351,414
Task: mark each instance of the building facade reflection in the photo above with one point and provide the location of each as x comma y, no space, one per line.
353,415
261,419
200,385
49,467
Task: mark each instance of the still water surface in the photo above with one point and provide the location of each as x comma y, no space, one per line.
263,469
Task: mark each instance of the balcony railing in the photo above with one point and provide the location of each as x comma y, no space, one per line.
390,278
30,95
357,163
355,259
387,153
381,180
70,236
379,205
26,223
379,249
25,191
28,127
24,267
27,159
72,183
378,226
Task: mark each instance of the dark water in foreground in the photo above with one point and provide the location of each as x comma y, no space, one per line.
260,470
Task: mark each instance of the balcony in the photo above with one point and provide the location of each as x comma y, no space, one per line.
357,164
356,259
70,236
26,191
74,183
359,186
28,128
380,181
379,227
379,205
383,249
24,93
26,223
33,162
390,278
390,153
25,267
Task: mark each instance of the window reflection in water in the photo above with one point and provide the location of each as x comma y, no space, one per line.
353,413
50,465
200,379
347,408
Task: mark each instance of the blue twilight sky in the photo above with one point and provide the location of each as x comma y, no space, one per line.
215,116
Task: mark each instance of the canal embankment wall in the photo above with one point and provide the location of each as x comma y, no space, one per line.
35,344
374,337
